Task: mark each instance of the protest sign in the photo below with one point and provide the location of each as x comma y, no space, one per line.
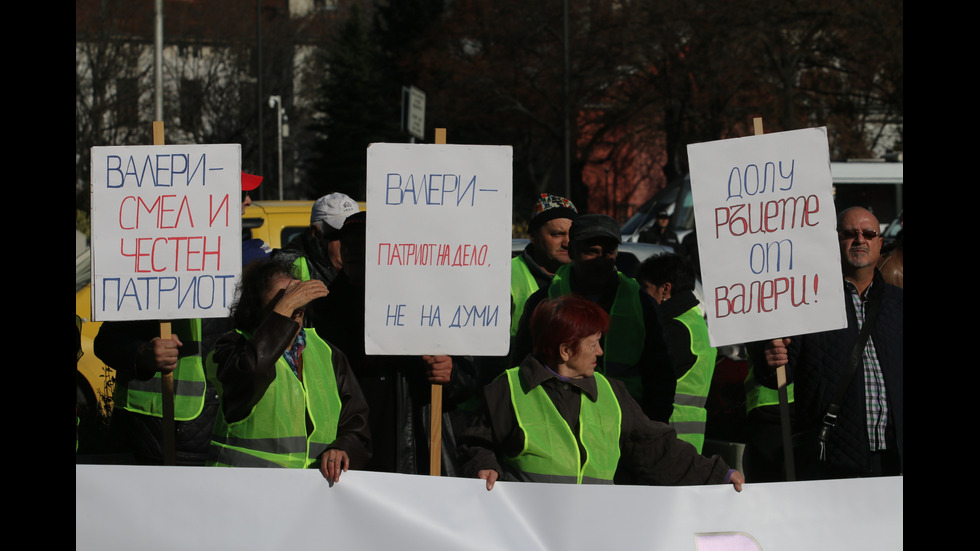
767,238
166,231
438,249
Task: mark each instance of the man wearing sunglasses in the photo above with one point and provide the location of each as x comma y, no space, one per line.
862,435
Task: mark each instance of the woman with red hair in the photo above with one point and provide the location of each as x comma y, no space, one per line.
554,419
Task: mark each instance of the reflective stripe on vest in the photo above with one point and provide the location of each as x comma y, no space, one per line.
274,432
146,397
623,343
689,415
522,285
757,395
551,451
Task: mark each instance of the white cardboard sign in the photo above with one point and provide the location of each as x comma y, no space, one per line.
166,231
438,243
766,226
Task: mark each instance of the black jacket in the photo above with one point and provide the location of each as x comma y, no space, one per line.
395,387
117,344
816,364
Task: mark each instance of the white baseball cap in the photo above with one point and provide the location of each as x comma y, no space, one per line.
333,209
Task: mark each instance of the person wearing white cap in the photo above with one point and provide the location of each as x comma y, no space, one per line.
315,253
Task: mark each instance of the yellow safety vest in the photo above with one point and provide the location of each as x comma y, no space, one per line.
522,285
146,397
274,434
551,451
689,416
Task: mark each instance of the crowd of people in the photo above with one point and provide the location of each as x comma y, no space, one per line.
606,380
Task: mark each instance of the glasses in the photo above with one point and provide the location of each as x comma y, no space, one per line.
852,234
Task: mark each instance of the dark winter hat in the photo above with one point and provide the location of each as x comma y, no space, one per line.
588,226
548,208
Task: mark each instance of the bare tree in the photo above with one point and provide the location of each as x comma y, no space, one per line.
109,68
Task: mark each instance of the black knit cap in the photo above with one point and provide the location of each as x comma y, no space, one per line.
587,226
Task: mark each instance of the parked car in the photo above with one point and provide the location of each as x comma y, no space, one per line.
890,233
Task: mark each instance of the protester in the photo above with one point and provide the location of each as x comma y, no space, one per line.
288,398
139,355
554,418
135,350
551,218
636,352
849,388
252,249
397,388
316,252
669,279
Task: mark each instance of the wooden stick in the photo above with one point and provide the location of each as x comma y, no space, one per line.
435,404
781,390
167,428
158,133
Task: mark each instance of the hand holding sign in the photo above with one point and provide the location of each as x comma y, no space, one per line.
776,353
159,354
438,369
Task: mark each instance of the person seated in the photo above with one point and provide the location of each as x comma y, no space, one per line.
553,418
287,397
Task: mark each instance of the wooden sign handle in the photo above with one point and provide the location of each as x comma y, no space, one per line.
782,391
168,429
435,404
167,379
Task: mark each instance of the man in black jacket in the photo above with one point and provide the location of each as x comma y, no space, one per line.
866,438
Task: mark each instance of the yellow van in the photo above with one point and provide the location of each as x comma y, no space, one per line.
275,222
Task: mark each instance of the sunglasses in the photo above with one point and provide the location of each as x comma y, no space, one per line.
852,234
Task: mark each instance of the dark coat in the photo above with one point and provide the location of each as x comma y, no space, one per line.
816,364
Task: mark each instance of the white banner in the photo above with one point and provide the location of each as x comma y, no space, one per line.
166,231
438,249
135,507
766,225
